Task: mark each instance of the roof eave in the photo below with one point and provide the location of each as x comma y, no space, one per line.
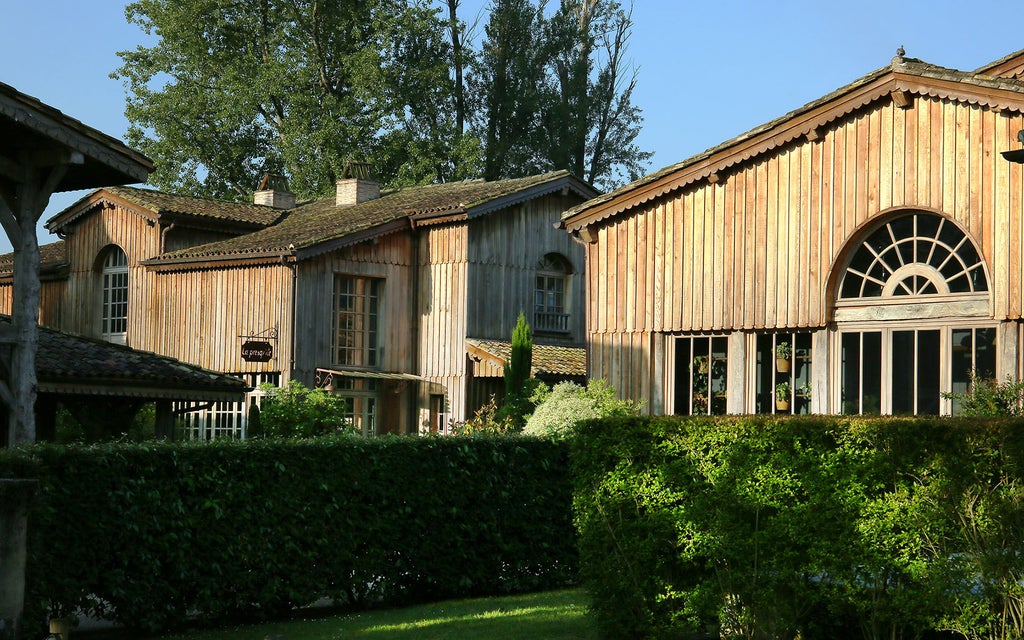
801,122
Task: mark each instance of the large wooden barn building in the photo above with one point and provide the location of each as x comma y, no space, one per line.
396,299
874,238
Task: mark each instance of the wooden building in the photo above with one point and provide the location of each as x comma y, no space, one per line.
873,237
371,294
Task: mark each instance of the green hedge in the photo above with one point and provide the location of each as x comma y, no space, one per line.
147,534
825,526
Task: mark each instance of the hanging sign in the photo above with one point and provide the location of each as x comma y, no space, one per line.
257,351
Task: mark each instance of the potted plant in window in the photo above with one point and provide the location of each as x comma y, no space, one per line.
783,351
782,396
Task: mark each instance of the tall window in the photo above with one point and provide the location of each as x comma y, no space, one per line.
357,310
115,296
701,370
782,376
550,312
913,317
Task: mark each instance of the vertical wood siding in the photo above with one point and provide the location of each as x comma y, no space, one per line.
504,250
755,251
442,299
387,258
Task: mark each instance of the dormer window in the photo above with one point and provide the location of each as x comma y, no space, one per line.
115,296
550,301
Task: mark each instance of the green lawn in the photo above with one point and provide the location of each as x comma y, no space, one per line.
554,615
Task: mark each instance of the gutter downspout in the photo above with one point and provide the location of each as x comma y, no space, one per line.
294,267
163,237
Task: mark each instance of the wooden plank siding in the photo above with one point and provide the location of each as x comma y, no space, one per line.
387,258
755,249
442,311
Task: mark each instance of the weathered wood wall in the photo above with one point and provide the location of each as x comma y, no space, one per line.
755,250
442,300
505,249
388,258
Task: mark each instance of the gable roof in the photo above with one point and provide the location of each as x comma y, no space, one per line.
171,208
548,360
318,226
28,124
903,77
69,363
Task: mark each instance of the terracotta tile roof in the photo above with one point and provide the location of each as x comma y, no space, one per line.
188,206
935,82
322,221
51,255
552,360
77,364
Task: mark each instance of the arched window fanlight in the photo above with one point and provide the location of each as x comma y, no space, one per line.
916,254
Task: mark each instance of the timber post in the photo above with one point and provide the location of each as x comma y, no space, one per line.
15,497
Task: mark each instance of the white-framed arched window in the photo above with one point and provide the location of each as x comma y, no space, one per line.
114,310
913,317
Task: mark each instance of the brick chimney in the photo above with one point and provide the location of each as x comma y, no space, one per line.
356,185
273,192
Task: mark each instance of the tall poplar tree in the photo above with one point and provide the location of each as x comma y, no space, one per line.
555,92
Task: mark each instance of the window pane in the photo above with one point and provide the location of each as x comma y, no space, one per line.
928,366
871,372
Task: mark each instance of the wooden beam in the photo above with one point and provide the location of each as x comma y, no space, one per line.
902,99
714,178
814,135
587,235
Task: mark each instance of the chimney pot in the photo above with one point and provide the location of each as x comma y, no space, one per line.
273,192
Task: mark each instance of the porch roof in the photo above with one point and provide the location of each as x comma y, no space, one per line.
548,359
73,364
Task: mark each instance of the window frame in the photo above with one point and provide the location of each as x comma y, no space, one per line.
114,278
362,340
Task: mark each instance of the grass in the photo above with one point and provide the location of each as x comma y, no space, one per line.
553,615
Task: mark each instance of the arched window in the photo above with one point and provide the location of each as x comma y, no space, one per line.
551,295
913,315
917,254
114,318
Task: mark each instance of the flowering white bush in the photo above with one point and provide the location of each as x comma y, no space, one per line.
564,405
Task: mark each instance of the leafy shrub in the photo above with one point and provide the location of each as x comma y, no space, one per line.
296,411
561,407
986,397
487,421
776,528
147,533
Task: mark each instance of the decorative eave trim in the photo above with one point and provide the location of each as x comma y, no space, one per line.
101,198
566,182
124,388
739,151
226,261
803,124
320,248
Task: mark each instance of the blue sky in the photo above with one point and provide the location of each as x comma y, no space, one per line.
708,71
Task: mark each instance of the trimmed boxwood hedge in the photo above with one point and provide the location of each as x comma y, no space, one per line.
821,527
150,534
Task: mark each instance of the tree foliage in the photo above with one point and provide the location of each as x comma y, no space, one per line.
232,90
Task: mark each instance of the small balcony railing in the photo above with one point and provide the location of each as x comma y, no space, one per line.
548,322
